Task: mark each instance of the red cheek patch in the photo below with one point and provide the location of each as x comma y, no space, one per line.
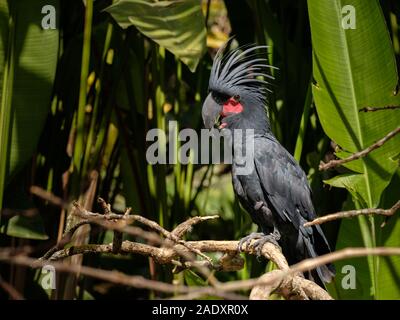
231,106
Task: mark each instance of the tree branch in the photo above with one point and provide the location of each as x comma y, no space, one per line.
114,276
360,154
310,264
171,249
312,290
12,292
373,109
354,213
299,288
286,281
126,219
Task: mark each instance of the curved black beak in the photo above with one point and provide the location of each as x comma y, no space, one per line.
211,111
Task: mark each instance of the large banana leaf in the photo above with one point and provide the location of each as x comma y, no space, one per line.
177,25
388,270
28,59
35,53
355,68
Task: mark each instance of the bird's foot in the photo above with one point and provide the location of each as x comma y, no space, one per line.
247,240
260,239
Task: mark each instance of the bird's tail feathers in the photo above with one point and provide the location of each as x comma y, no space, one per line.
324,273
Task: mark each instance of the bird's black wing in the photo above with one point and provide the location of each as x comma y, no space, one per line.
286,187
283,181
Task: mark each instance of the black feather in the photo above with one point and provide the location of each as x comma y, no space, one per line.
282,185
237,72
277,181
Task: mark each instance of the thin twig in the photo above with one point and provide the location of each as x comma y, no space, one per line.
168,255
310,264
64,240
130,218
12,292
354,213
373,109
347,253
186,226
360,154
119,223
48,196
114,276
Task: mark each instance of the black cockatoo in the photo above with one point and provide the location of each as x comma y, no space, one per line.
276,193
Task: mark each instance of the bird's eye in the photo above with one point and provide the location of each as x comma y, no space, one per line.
220,97
236,97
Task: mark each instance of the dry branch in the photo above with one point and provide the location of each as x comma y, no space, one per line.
123,220
312,290
114,276
12,292
310,264
354,213
360,154
172,250
373,109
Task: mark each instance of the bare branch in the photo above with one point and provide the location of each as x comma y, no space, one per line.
186,226
309,288
168,253
373,109
354,213
119,223
228,262
115,277
66,238
360,154
12,292
48,196
289,287
286,281
124,220
310,264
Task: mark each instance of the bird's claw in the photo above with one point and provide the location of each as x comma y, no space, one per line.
260,240
259,244
247,240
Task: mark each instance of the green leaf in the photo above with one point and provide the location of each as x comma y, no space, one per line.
34,58
7,26
388,275
193,279
346,181
354,68
388,270
25,227
176,25
350,235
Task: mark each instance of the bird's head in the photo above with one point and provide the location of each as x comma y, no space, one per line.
238,90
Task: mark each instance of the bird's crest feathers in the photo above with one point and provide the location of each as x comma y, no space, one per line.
238,72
